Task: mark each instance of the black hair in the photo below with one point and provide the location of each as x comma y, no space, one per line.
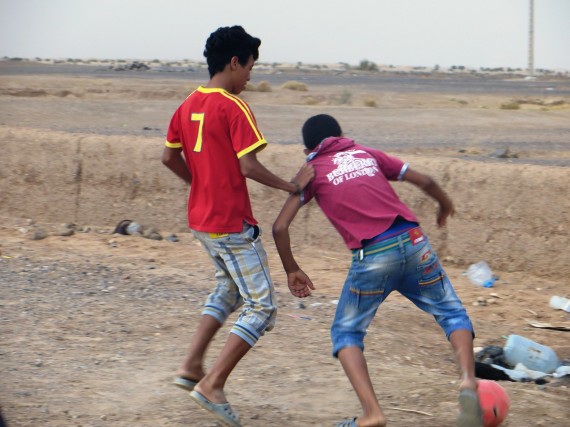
318,128
227,42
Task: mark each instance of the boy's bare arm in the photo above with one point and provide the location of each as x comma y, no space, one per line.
432,189
298,282
251,168
173,160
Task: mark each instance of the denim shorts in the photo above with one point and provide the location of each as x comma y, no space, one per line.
405,263
243,280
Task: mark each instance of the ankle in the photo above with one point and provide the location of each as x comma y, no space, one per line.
468,384
191,371
377,419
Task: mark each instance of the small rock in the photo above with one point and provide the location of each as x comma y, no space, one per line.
173,238
151,233
154,236
65,230
38,234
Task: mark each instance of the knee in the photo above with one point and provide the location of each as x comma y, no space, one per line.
270,313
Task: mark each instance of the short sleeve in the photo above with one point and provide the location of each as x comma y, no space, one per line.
391,167
173,135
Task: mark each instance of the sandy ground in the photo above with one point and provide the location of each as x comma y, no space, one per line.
94,325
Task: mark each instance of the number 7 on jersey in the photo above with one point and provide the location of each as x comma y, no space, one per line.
198,117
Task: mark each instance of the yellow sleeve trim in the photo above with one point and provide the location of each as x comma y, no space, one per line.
173,144
258,146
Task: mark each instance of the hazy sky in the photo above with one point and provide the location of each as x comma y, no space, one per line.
473,33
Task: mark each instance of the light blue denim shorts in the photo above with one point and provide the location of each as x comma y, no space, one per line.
243,280
405,263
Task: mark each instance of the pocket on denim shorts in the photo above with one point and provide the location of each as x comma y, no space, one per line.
367,289
430,275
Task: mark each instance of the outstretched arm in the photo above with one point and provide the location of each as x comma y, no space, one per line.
173,160
432,189
251,168
299,283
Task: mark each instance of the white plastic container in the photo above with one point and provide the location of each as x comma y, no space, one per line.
480,274
534,356
560,303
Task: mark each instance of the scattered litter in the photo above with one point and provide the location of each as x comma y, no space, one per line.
410,410
134,228
521,373
561,371
560,303
481,275
296,316
128,227
557,327
334,302
521,359
534,356
496,295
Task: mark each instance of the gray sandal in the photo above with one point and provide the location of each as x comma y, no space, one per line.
471,414
222,411
184,383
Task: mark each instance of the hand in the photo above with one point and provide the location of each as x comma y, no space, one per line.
299,284
305,175
443,212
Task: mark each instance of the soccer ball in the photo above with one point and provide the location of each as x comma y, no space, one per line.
494,402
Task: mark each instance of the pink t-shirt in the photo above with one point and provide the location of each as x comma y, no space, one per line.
352,188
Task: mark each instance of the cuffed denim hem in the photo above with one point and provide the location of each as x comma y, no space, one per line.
344,343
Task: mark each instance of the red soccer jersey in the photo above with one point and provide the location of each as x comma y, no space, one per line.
214,129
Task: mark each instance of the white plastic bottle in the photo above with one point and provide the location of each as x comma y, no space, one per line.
480,274
534,356
560,303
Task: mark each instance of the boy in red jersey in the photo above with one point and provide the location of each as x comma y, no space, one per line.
389,252
212,143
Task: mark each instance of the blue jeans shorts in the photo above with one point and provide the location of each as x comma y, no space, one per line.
405,263
243,280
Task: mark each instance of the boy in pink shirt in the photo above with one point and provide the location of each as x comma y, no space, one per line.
389,252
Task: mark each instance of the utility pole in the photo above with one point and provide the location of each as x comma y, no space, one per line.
531,40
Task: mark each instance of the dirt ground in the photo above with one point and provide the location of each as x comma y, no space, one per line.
94,325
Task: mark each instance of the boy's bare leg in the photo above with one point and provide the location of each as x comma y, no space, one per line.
212,385
354,365
192,367
470,414
462,343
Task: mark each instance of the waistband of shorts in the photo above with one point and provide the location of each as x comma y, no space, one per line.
398,227
387,244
